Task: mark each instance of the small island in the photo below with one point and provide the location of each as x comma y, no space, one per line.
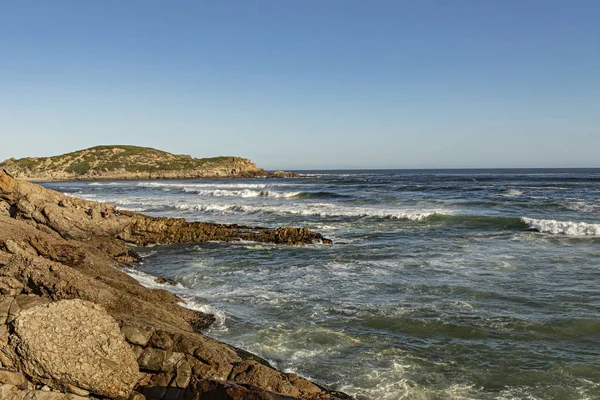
120,162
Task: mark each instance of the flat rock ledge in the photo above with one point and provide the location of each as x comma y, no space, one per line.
73,326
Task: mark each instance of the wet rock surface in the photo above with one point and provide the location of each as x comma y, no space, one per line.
74,326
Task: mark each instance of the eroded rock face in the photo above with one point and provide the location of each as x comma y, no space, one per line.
74,343
144,230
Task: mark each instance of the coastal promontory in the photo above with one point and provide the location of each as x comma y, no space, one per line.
75,326
131,162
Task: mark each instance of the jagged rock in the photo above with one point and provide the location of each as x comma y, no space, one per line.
74,344
153,359
123,298
73,222
144,230
161,339
137,335
208,389
10,286
253,373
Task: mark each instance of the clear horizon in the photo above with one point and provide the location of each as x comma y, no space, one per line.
306,85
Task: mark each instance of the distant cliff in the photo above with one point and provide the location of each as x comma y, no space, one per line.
131,162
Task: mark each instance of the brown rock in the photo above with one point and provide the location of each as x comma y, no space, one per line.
256,374
137,335
10,286
161,340
152,359
162,280
5,303
209,389
11,392
136,396
73,343
12,378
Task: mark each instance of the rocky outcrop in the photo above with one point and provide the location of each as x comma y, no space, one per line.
81,219
132,162
143,230
74,326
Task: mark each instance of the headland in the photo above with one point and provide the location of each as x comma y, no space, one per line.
121,162
74,326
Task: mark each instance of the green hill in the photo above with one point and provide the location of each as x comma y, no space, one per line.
129,162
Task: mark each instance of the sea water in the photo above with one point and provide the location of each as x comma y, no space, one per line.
440,284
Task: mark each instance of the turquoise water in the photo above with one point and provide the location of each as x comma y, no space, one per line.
439,284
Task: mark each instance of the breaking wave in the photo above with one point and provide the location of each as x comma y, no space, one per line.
184,293
208,185
563,227
315,210
240,193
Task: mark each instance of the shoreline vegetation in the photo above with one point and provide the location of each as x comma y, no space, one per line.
74,326
120,162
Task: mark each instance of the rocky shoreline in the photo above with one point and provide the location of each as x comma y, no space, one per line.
74,326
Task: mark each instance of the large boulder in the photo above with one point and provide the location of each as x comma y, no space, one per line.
73,345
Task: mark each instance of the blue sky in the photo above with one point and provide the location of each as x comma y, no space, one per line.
302,84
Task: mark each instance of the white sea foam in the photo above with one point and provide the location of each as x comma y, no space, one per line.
315,210
149,281
582,206
214,185
240,193
215,208
358,212
563,227
104,183
512,193
220,316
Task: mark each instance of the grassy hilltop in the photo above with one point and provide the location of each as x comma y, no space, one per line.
128,162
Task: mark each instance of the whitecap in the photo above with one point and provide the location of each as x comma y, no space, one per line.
563,227
103,183
512,193
245,193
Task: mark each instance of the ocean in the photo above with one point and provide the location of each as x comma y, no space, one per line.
440,284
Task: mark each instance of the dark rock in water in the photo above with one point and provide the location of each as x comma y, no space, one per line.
143,230
162,280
